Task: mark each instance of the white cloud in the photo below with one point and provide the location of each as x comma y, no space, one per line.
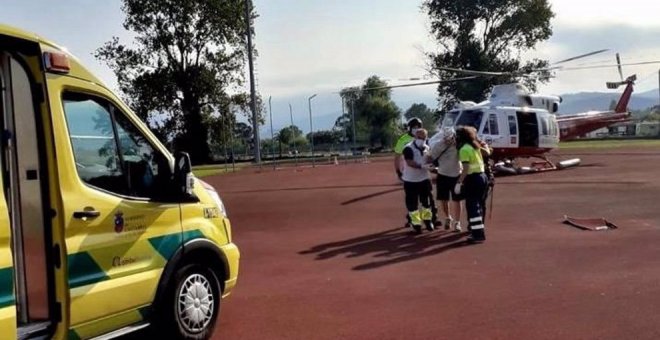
320,46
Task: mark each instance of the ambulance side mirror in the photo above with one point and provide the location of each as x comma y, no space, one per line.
184,181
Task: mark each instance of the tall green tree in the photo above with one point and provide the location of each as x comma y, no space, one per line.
325,136
376,115
486,35
187,59
422,112
287,136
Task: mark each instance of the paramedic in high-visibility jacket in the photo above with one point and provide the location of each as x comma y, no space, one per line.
417,182
413,125
472,182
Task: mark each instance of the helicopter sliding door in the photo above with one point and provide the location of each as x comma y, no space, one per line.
549,131
528,126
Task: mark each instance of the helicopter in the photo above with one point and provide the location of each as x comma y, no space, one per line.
519,124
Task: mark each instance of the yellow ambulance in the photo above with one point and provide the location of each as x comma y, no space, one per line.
103,232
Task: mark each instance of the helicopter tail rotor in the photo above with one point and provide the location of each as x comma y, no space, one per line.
614,85
618,63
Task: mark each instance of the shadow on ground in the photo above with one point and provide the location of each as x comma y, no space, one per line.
390,247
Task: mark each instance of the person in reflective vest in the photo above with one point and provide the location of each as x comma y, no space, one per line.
472,182
412,125
417,183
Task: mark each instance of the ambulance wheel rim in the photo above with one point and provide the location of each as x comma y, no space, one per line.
196,303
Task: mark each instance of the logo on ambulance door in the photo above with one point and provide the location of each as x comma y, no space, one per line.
119,222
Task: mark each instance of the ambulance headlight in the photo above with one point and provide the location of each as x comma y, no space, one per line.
216,198
218,202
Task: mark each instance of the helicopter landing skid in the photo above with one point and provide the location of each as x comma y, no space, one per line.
544,165
508,167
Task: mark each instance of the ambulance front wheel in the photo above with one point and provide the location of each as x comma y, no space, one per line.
192,303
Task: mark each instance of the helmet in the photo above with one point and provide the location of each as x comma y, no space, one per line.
412,122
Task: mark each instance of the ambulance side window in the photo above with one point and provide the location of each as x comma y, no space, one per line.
111,153
93,141
146,168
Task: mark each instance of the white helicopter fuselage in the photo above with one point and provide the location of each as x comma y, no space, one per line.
512,131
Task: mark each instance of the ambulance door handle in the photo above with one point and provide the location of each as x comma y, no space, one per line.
84,215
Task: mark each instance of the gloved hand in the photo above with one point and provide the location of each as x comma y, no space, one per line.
457,188
428,166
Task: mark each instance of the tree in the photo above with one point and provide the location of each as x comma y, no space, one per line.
287,136
376,115
325,136
486,35
422,112
186,56
653,114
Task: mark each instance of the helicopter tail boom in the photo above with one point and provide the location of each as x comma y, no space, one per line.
622,105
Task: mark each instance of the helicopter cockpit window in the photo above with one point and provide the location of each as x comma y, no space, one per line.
450,119
491,128
553,126
544,126
470,118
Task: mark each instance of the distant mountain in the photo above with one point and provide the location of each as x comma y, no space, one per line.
326,108
586,101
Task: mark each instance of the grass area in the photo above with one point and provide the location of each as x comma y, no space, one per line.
215,169
617,143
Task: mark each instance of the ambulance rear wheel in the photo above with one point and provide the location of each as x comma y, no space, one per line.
193,303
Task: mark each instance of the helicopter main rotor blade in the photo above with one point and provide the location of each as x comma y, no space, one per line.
474,73
413,84
580,56
606,66
520,73
618,61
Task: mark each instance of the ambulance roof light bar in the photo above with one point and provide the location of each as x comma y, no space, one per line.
57,62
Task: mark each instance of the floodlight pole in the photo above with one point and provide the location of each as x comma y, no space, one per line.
233,154
311,129
293,135
224,140
272,136
343,114
353,119
253,95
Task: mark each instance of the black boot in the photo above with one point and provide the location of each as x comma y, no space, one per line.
477,236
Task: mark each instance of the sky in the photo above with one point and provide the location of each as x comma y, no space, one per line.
319,46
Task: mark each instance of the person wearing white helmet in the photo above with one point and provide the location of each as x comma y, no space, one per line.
444,155
417,183
412,125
